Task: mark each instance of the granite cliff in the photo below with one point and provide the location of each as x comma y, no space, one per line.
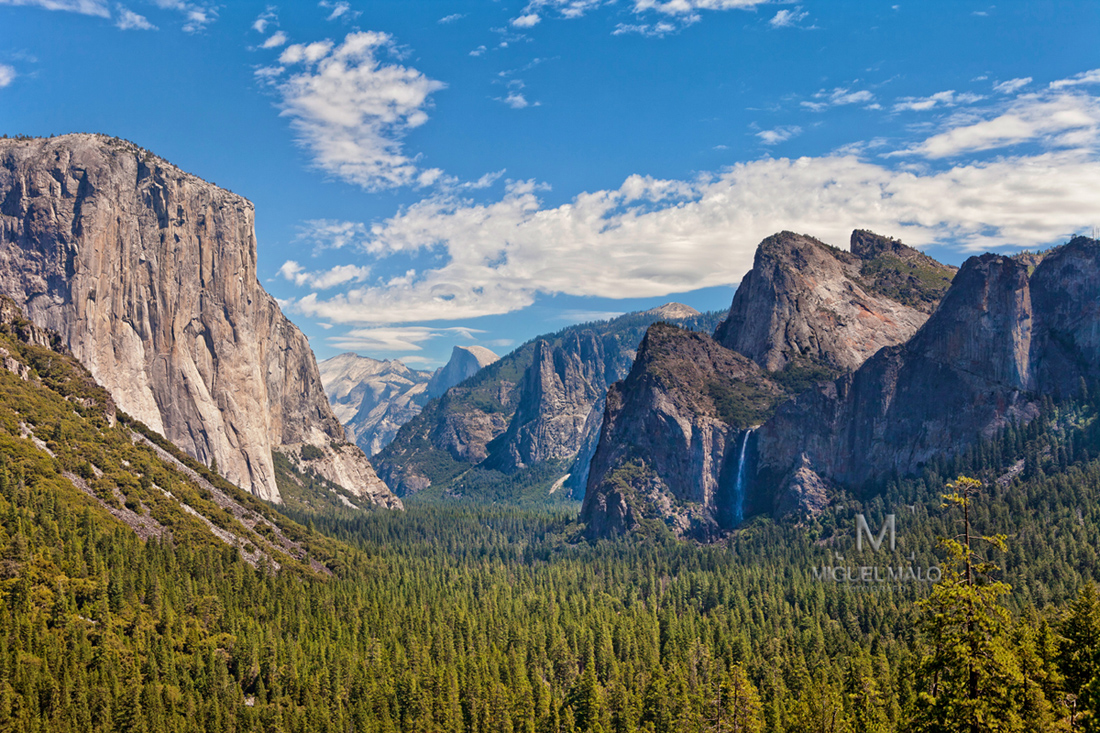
1002,339
149,276
673,433
805,304
678,443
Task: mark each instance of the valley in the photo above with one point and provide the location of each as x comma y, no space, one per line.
650,522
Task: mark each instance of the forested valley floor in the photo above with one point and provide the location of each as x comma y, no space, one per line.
466,617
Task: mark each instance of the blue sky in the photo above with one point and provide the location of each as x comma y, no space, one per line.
431,173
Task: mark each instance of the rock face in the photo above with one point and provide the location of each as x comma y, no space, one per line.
541,403
373,398
804,314
805,302
556,396
999,341
674,438
149,276
465,362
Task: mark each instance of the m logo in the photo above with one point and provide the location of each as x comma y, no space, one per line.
876,542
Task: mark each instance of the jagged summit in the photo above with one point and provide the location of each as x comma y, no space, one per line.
806,305
672,311
373,398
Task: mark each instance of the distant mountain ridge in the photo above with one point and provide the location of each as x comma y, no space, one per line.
373,398
536,410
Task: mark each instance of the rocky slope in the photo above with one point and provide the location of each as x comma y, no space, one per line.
373,398
674,436
539,406
465,362
149,276
805,313
61,432
1000,341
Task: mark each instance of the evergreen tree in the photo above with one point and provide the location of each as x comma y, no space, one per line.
970,672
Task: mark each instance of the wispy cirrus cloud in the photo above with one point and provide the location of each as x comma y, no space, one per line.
1084,78
351,110
655,30
97,8
678,12
196,15
323,234
839,96
1012,85
408,338
1053,120
127,20
949,98
787,18
324,279
779,134
265,19
340,10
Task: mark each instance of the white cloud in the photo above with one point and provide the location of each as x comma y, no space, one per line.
196,16
1012,85
340,10
656,30
686,11
1059,120
949,98
779,134
84,7
651,237
451,18
7,75
837,97
787,18
1085,77
526,21
516,100
278,38
351,111
407,338
687,7
478,51
264,19
565,8
325,234
324,279
129,20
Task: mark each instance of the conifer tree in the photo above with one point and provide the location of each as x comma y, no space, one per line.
970,672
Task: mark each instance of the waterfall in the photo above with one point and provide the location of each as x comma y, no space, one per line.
739,483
